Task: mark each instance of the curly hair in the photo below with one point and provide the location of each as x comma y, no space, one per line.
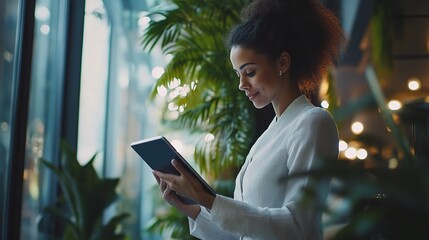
308,31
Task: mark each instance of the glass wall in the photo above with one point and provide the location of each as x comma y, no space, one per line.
8,50
43,129
117,78
115,84
93,88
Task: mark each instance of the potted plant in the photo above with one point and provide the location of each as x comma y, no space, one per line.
78,211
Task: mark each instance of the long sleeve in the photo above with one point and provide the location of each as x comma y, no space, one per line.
203,227
266,202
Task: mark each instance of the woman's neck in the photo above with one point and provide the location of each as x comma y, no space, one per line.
285,100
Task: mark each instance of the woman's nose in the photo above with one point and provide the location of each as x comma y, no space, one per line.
244,84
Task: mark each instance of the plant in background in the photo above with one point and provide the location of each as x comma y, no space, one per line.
205,87
78,213
172,224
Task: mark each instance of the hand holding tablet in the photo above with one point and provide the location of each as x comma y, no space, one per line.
158,153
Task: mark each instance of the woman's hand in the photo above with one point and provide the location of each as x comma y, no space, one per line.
169,196
185,185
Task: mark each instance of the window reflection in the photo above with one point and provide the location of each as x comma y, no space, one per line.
8,29
93,90
44,113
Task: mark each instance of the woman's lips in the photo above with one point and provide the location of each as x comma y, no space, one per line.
252,96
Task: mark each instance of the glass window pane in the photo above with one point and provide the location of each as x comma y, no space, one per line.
8,31
93,90
44,111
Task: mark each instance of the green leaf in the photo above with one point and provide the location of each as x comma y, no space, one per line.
86,196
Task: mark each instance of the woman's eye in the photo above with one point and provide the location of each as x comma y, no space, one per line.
251,74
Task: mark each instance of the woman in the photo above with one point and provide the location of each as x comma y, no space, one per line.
279,51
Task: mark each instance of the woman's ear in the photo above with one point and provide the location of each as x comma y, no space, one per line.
284,62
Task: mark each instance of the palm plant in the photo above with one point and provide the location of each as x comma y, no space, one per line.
193,32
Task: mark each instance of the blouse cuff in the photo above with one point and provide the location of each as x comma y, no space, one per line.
198,226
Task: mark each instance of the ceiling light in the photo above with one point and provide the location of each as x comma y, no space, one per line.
357,127
361,154
342,145
324,104
394,105
350,153
414,84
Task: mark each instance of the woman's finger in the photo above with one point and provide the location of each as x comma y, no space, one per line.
164,176
163,185
167,190
180,168
156,178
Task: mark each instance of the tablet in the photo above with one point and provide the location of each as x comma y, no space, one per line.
158,152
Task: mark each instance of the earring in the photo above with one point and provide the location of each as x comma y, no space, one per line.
281,73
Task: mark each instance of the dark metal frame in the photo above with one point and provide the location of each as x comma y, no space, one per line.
21,92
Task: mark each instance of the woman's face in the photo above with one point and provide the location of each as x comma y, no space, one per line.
259,76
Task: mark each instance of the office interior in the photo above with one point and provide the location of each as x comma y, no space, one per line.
75,71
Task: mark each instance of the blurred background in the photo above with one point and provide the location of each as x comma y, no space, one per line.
77,71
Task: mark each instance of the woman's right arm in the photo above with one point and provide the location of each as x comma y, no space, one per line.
204,228
200,223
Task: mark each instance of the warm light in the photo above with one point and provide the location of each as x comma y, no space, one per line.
361,154
394,105
25,175
393,163
324,104
350,153
162,91
342,145
357,128
414,84
209,137
177,144
157,72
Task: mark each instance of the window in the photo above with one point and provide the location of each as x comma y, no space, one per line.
93,90
43,127
8,29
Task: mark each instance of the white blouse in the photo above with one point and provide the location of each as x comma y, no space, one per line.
265,204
